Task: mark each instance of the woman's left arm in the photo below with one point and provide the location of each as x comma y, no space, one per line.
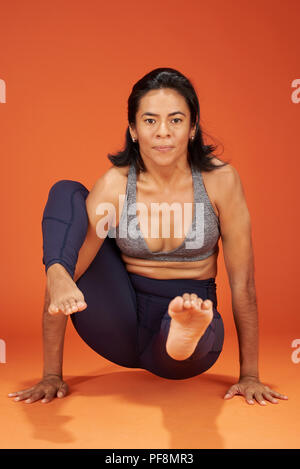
235,227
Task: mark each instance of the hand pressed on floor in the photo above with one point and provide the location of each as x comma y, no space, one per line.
49,387
252,388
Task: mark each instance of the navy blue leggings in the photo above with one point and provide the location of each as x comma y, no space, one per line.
126,320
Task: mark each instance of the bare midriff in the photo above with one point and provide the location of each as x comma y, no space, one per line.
195,270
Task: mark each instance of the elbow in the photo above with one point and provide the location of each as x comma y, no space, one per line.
244,285
244,292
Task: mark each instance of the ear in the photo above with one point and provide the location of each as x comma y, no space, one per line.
193,131
132,131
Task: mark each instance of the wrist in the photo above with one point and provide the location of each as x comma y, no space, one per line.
59,375
249,371
249,376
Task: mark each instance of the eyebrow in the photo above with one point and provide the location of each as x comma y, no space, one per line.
171,113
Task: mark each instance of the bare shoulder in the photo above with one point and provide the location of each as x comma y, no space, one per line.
219,168
106,191
119,171
224,177
112,183
229,194
213,179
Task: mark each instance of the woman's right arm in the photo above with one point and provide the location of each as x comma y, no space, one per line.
51,384
54,325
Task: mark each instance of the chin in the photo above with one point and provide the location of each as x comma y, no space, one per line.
164,162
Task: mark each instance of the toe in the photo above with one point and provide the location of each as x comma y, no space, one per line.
53,309
176,304
207,308
68,307
73,304
207,304
81,304
186,300
61,307
194,300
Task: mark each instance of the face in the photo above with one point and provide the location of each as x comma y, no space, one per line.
163,120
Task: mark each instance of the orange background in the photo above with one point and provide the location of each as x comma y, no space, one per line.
69,67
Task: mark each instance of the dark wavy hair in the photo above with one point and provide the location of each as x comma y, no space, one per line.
198,152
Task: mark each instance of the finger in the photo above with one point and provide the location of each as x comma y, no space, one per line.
35,396
249,397
12,394
277,394
269,397
48,396
259,398
230,393
23,396
267,388
63,390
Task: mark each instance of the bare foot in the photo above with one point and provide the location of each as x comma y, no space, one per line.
65,296
190,318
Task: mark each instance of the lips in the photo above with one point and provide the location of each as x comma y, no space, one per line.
162,148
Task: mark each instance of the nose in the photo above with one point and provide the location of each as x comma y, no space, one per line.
162,130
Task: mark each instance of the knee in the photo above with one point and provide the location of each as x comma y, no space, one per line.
65,186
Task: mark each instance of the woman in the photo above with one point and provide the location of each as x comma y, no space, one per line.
146,300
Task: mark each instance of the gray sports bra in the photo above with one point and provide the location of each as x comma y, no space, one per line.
200,242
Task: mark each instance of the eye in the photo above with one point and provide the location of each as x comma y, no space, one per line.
177,119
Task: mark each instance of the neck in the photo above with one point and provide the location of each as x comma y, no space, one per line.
165,176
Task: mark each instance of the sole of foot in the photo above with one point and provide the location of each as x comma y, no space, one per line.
190,317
